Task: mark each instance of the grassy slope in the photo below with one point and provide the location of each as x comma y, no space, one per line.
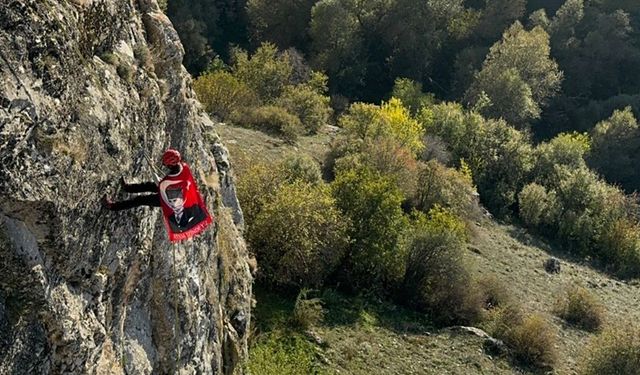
384,339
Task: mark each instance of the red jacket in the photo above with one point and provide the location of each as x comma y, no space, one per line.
183,209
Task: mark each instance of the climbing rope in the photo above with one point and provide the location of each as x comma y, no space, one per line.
176,327
156,171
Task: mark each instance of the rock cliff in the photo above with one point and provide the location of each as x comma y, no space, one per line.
92,90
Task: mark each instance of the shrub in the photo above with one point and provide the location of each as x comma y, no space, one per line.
537,206
275,120
259,182
500,157
125,71
589,207
299,236
446,187
110,58
224,95
494,293
312,108
615,352
568,149
369,122
620,247
143,55
580,308
616,142
393,160
531,338
373,204
437,278
301,168
307,312
339,148
410,93
267,72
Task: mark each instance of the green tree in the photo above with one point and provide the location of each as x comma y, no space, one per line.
518,76
337,45
373,204
311,107
196,24
267,71
299,236
283,22
438,277
223,95
566,149
391,119
616,149
411,94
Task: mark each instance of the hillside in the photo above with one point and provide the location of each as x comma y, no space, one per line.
364,336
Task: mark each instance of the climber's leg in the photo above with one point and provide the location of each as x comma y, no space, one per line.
151,200
145,187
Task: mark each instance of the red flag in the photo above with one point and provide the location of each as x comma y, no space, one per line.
183,210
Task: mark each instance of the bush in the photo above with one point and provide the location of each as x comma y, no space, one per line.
615,352
311,107
301,168
567,149
620,247
275,120
532,339
589,207
267,71
580,308
500,157
125,71
616,142
259,183
437,278
537,207
224,95
391,159
494,293
370,122
446,187
410,93
143,55
307,312
299,236
373,204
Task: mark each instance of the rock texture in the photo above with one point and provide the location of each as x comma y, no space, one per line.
92,90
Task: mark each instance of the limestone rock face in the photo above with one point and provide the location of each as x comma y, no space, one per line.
92,90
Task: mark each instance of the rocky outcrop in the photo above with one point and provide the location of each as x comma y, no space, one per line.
92,90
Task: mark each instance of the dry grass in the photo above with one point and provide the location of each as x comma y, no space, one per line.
615,352
307,312
580,307
530,337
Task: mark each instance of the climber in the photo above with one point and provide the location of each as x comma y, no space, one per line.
184,211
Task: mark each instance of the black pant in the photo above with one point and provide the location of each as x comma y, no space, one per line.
151,200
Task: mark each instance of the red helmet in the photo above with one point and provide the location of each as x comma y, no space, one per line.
171,157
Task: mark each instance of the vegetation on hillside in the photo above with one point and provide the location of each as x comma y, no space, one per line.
442,107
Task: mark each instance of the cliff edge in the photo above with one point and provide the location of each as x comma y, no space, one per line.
93,90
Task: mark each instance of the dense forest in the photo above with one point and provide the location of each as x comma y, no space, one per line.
363,46
527,109
571,64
